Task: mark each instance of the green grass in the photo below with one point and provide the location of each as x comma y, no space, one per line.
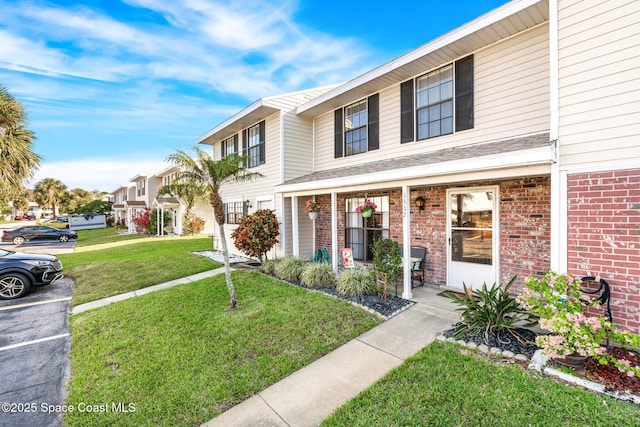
103,235
182,358
448,385
114,270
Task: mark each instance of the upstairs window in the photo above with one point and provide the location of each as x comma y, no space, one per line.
434,103
437,103
140,186
356,127
253,145
230,146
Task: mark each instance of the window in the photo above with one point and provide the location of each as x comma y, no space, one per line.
253,145
140,188
438,102
361,233
356,127
434,103
234,211
230,146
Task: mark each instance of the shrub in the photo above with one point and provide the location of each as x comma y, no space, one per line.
290,268
269,266
257,233
355,283
192,224
318,275
142,221
491,310
153,221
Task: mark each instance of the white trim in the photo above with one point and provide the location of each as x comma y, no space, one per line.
554,73
294,226
406,242
334,231
282,157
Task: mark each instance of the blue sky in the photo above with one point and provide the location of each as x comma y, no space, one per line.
112,87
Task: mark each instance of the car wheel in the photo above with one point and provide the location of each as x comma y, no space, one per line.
67,226
18,240
63,238
14,285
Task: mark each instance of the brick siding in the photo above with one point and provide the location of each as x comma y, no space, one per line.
604,237
524,215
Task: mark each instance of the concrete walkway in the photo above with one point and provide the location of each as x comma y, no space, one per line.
102,302
311,394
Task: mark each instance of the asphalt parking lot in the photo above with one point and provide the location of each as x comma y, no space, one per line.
34,347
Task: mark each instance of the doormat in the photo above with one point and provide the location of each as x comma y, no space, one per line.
458,294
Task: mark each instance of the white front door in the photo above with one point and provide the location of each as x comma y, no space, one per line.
472,236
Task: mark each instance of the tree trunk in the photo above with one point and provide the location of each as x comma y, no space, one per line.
227,268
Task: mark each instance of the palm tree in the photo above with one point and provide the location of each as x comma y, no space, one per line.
49,192
207,176
17,162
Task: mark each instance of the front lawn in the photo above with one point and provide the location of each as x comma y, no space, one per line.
181,358
114,270
103,235
446,384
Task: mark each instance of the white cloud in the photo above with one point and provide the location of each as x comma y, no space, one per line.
104,174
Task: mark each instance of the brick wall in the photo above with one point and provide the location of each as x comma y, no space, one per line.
604,237
524,210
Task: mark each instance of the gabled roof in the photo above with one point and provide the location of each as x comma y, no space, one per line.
250,115
499,24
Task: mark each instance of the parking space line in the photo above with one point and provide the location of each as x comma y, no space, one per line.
13,346
29,304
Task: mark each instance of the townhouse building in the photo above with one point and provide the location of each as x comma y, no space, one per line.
508,146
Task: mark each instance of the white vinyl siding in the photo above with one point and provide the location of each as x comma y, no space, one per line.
599,84
511,98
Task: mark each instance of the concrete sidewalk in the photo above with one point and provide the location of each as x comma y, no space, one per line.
311,394
102,302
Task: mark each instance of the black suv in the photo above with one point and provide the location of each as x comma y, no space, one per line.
20,271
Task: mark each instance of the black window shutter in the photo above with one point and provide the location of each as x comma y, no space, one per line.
373,113
337,127
235,143
464,93
263,138
406,112
244,147
224,148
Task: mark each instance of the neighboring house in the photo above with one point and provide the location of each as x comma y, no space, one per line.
141,193
259,132
508,146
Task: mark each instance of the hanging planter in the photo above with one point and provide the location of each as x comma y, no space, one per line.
367,209
313,208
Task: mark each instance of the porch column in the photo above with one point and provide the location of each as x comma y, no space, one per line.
294,226
178,221
406,242
334,231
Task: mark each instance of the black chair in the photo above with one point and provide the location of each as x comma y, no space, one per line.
417,269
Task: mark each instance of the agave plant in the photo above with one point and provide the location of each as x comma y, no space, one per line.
490,310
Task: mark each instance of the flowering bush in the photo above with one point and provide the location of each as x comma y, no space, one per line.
142,220
369,205
312,206
558,301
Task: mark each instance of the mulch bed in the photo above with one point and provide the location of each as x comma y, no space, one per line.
609,376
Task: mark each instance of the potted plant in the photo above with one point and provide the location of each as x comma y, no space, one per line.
366,209
559,302
387,263
312,208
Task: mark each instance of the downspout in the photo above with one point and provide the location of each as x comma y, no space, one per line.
295,232
558,232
